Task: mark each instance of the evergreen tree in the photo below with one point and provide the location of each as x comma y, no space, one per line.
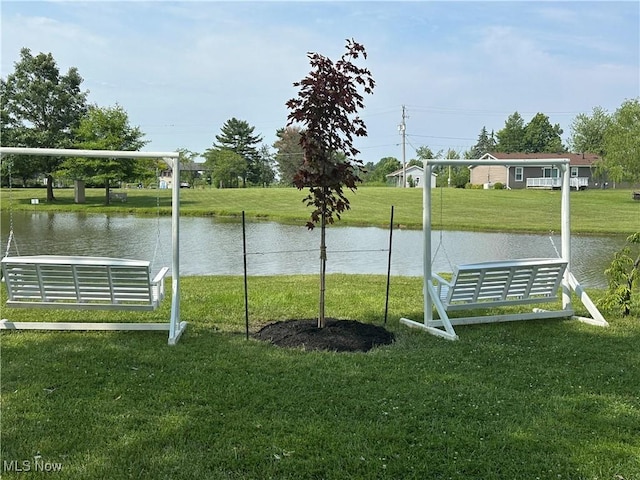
486,143
237,136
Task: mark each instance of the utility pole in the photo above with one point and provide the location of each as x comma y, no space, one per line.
402,127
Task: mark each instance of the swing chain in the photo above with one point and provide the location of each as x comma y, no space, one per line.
11,238
441,236
553,244
159,245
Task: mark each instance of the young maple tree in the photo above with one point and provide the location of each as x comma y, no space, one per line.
327,109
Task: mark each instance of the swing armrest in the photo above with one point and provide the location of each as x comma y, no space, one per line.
442,285
159,278
157,285
440,280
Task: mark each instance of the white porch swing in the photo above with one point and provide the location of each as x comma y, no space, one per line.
503,283
93,283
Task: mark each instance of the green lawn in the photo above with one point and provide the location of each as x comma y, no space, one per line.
521,400
546,399
592,211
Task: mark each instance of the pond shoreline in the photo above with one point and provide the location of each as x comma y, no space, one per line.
593,212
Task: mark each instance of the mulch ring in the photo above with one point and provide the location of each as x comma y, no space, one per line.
337,336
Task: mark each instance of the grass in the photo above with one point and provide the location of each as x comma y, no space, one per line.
592,211
539,399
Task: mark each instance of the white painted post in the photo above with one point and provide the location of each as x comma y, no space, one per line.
426,233
174,324
565,232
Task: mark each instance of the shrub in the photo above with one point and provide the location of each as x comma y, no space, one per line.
623,275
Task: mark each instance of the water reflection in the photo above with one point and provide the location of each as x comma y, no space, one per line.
213,247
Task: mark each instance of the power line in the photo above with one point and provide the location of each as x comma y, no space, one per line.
472,111
445,138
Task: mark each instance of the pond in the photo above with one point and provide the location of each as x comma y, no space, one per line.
210,246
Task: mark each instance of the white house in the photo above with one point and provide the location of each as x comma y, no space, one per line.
196,169
415,177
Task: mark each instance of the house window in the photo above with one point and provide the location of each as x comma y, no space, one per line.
519,174
574,171
550,172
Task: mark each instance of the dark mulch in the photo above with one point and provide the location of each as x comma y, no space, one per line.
337,336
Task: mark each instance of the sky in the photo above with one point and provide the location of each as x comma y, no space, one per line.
181,69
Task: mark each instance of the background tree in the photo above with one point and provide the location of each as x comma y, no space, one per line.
451,176
622,143
425,153
187,162
40,108
23,170
226,166
106,128
327,109
237,136
379,171
511,137
588,132
486,143
542,137
265,173
289,153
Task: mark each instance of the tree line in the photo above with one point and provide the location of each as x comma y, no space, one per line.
615,138
41,107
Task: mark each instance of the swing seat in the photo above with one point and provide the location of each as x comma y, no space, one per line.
85,283
498,284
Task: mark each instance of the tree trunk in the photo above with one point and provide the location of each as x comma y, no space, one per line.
107,196
50,196
323,268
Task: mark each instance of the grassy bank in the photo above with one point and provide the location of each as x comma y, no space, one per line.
592,211
539,399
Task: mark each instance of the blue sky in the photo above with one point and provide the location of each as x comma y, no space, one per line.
181,69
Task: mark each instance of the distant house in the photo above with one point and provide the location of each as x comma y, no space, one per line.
415,176
196,169
534,176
